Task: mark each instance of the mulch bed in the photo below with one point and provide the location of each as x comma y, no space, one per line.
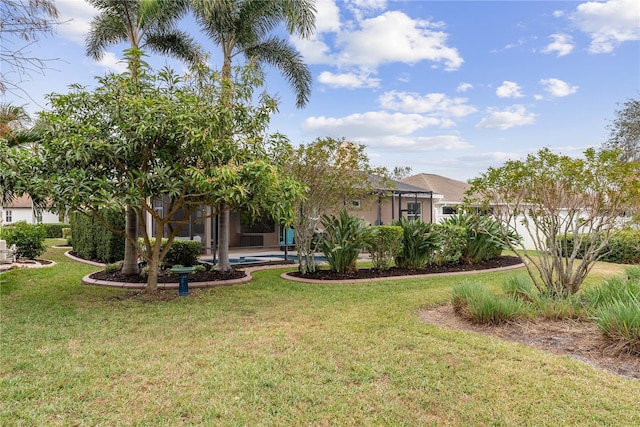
197,276
370,273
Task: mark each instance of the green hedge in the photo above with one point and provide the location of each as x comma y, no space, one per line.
28,238
91,240
623,247
182,252
384,245
54,230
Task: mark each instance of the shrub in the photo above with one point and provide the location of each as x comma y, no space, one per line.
622,248
384,245
112,268
66,233
485,239
28,238
181,252
54,230
344,237
479,305
620,322
455,238
420,243
92,240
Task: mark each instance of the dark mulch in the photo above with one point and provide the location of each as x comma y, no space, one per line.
198,276
370,273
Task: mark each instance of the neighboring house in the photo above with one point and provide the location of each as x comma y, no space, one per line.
452,192
22,209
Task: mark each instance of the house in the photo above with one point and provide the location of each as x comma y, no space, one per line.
22,209
452,192
385,204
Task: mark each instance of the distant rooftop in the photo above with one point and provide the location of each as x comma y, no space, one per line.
451,189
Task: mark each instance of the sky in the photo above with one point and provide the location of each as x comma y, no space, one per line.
444,87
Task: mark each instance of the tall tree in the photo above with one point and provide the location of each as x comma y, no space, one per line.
145,25
569,207
625,131
243,28
333,170
94,156
23,23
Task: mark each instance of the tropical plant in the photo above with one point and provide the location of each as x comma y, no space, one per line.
420,243
384,245
243,27
455,243
145,25
344,238
484,237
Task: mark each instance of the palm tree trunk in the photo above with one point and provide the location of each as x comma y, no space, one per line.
130,265
223,239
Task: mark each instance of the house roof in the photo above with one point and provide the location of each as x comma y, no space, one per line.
400,187
20,202
452,190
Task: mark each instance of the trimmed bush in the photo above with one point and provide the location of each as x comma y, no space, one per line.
623,247
384,245
91,240
28,238
344,237
66,233
54,230
181,252
454,240
419,243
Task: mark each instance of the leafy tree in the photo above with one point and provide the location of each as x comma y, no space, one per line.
554,197
132,142
23,23
243,27
333,170
145,25
625,131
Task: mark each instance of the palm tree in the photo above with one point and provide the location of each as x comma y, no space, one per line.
145,25
242,28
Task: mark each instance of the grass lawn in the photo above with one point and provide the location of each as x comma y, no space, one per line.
275,352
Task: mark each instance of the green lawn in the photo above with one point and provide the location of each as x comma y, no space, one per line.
275,352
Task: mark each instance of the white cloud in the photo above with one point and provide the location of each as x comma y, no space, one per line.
360,8
348,80
515,115
509,90
395,37
608,23
327,17
374,124
76,17
111,62
433,103
558,88
416,144
562,44
463,87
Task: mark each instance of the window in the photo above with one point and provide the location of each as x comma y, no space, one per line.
448,210
356,204
413,211
8,217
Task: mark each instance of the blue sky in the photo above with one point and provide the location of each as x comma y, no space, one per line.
444,87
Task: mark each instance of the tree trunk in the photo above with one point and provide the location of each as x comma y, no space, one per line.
152,278
130,265
223,239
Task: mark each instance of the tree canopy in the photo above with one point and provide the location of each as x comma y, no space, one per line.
557,199
625,131
129,143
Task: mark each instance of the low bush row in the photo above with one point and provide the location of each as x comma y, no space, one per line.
28,238
622,248
410,243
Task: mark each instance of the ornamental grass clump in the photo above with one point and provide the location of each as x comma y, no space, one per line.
344,238
477,304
